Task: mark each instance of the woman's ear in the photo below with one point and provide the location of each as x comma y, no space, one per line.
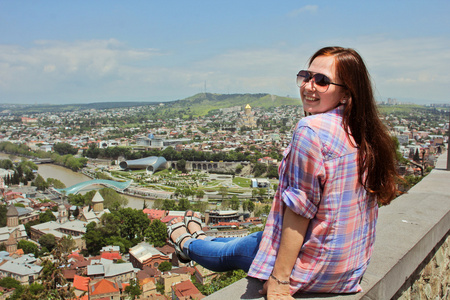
346,99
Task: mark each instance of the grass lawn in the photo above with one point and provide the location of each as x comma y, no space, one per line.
242,182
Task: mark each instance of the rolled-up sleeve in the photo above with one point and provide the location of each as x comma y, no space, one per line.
304,172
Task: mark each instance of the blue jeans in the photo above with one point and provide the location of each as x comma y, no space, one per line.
224,254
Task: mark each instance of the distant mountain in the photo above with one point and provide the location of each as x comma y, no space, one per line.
199,104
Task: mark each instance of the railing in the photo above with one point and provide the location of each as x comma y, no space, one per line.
409,232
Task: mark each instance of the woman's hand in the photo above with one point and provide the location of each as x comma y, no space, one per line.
276,291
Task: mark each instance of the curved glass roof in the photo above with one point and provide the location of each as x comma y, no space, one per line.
120,186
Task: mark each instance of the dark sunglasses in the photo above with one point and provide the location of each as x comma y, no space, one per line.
321,81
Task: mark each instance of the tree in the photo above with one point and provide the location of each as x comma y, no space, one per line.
55,285
234,203
156,233
64,148
248,205
112,199
46,216
165,266
132,223
181,165
416,156
184,204
94,238
133,289
40,183
169,204
56,183
28,247
3,211
223,191
48,241
66,244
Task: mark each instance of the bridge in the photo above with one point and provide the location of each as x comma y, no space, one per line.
42,160
116,185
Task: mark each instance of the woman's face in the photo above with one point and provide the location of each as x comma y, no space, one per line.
315,102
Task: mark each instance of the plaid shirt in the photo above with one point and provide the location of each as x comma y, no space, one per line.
319,181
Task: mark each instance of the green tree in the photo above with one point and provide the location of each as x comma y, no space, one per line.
133,289
181,165
133,223
169,204
9,283
48,241
64,148
234,203
223,191
248,205
156,233
46,216
28,247
165,266
56,183
94,238
55,285
3,211
40,183
184,204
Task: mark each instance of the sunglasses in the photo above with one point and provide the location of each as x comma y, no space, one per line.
321,81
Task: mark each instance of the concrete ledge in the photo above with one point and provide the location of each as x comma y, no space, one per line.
407,231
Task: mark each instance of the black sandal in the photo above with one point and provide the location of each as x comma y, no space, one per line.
180,254
193,218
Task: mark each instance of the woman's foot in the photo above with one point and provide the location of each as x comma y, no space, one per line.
178,235
194,225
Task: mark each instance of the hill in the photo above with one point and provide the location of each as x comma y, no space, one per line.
201,104
197,105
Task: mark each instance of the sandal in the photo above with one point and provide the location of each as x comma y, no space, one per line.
180,254
193,218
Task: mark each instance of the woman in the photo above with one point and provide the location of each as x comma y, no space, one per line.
319,235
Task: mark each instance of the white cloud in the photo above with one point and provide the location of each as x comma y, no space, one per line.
108,70
304,9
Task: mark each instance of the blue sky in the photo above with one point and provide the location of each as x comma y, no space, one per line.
95,51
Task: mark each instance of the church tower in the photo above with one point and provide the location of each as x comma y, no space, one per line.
97,201
12,217
62,214
248,110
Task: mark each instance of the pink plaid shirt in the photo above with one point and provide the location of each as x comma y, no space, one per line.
319,181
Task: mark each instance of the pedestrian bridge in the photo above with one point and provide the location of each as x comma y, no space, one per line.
116,185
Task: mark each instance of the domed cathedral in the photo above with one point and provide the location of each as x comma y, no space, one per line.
13,232
247,118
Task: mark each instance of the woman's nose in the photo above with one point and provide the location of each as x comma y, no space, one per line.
309,85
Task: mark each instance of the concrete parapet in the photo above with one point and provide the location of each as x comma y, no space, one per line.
412,233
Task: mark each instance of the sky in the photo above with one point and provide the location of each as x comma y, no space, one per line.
61,52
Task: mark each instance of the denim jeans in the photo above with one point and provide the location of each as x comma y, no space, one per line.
224,254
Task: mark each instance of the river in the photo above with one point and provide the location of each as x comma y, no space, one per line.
69,178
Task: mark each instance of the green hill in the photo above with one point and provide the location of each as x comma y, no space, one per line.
196,105
201,104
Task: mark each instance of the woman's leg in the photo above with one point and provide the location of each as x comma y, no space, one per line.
220,256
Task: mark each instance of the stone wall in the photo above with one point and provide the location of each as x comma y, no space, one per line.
432,278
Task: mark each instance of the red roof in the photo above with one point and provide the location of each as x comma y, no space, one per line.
167,219
111,255
81,283
186,289
103,287
154,213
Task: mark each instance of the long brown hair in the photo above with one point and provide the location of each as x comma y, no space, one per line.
376,159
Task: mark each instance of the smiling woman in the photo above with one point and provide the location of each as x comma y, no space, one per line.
320,232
